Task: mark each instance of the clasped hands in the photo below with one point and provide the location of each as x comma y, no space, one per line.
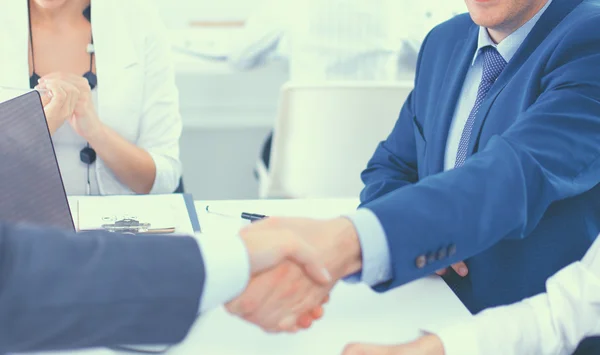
68,98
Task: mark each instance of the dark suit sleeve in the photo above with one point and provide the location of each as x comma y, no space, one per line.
550,153
61,290
394,163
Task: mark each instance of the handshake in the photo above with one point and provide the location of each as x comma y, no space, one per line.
294,265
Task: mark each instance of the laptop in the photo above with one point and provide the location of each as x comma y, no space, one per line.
31,186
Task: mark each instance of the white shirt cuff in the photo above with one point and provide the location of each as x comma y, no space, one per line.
168,173
459,339
376,260
227,269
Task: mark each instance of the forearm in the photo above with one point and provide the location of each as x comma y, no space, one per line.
460,213
133,166
99,289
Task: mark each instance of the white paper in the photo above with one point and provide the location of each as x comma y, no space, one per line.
160,211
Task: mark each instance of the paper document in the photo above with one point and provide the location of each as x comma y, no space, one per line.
158,214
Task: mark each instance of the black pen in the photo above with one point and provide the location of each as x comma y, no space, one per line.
252,217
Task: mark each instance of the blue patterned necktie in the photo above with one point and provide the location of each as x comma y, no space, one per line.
493,64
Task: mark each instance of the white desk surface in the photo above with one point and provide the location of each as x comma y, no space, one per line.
355,313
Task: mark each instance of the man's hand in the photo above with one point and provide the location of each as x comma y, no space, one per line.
268,249
427,345
460,268
284,298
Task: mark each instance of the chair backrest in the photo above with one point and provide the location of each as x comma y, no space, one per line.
326,133
180,188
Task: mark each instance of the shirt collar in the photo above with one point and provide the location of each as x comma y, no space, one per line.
509,46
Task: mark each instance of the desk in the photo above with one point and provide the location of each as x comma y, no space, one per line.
355,313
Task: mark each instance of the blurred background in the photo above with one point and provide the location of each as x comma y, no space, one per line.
232,58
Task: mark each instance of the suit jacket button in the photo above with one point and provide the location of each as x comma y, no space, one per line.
451,250
442,254
421,262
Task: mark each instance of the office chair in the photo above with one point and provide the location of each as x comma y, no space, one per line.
180,189
324,135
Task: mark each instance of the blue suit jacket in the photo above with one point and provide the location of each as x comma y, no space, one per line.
63,291
525,204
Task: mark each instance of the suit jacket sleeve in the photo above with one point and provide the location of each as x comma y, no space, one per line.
61,290
550,153
394,164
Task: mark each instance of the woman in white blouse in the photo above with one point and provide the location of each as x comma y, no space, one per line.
552,323
116,54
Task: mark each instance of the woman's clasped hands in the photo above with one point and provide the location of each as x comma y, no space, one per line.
68,98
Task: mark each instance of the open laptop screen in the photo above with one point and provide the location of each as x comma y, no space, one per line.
31,187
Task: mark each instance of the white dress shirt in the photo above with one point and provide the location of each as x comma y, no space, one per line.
552,323
377,266
342,39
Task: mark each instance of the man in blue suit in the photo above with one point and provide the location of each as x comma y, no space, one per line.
494,159
59,290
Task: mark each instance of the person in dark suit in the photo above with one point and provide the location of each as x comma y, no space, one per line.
62,291
494,160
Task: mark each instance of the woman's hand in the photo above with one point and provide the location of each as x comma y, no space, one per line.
85,120
132,165
59,102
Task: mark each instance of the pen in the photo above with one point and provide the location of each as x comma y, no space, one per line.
252,217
